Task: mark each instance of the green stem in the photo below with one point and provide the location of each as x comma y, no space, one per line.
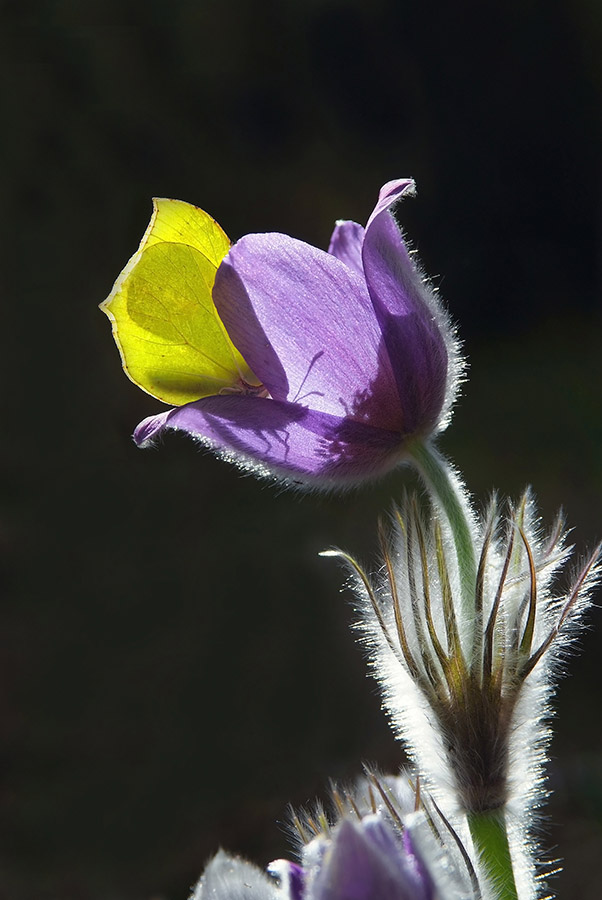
490,838
449,493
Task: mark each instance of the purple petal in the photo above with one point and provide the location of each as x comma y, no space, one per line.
304,322
287,438
402,854
414,327
150,428
416,863
366,862
390,193
346,244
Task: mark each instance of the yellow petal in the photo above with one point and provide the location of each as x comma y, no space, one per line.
172,342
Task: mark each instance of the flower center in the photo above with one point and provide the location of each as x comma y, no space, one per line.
243,387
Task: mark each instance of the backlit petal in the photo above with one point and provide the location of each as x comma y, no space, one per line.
346,244
415,330
283,437
304,322
364,862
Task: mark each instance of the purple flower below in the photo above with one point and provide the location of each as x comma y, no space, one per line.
364,860
368,859
355,354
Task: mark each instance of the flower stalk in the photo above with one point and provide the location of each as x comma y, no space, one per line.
490,837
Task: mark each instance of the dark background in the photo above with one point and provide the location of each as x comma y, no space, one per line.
175,660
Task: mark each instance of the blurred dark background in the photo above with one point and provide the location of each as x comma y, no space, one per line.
175,661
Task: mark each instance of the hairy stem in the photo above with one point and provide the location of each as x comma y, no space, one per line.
490,838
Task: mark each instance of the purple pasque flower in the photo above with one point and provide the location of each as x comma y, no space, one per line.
366,859
379,848
355,355
363,860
